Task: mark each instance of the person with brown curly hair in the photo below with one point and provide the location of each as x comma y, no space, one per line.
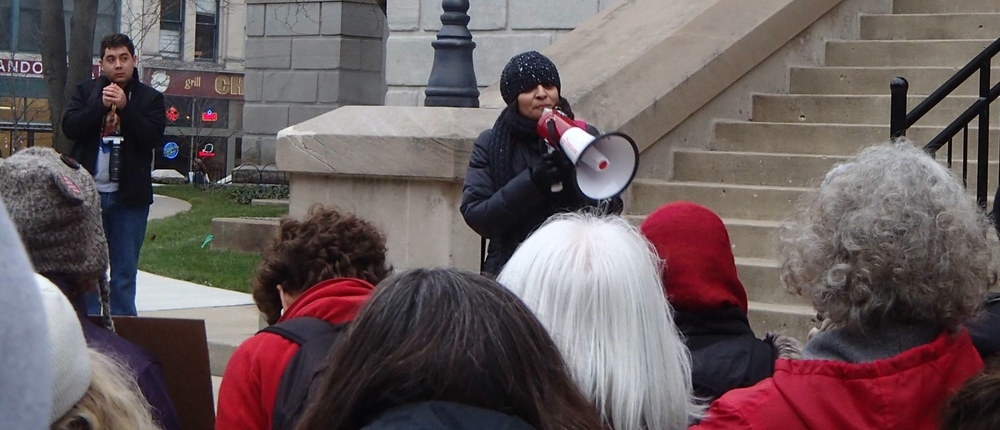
323,267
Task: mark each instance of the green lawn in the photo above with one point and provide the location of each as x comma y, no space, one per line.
173,245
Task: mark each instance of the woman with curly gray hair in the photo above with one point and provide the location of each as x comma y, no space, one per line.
894,251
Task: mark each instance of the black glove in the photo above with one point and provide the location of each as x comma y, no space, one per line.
550,169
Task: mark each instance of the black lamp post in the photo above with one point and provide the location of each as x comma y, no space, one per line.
453,77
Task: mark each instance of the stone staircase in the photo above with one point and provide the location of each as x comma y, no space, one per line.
754,171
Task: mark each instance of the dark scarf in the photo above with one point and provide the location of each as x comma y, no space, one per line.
701,329
510,128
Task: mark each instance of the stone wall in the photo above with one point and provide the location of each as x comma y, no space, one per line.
306,58
500,28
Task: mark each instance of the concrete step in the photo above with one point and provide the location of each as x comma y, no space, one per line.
761,279
821,139
795,321
728,200
945,6
903,53
751,239
875,80
270,202
243,234
852,109
753,168
931,27
773,307
759,274
777,169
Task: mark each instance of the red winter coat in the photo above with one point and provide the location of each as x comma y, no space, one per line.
250,384
903,392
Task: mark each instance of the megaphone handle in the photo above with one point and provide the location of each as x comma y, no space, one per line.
558,186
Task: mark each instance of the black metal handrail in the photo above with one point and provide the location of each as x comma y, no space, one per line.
900,120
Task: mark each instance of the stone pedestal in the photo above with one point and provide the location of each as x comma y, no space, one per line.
401,168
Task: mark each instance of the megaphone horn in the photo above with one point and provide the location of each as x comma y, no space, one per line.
605,165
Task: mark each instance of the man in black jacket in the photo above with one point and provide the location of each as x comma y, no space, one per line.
140,119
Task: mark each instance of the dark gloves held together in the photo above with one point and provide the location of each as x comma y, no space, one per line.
552,168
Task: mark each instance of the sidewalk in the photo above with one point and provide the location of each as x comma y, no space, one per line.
230,316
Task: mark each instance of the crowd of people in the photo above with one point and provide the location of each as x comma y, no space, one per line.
579,320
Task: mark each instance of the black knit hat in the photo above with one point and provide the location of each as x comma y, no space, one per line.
525,71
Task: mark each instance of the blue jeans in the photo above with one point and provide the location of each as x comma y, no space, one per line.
125,228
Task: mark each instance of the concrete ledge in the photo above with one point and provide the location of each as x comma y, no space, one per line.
396,141
270,202
243,234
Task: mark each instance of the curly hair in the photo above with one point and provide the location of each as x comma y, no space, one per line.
889,236
327,244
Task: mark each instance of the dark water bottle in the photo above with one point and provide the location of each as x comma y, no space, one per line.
114,158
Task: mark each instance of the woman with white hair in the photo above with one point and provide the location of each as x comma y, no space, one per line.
594,282
894,252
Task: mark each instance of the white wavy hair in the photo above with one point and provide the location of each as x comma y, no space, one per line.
889,236
595,284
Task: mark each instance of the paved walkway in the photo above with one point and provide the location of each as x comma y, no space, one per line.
230,317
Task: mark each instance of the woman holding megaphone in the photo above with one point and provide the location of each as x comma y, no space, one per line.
513,181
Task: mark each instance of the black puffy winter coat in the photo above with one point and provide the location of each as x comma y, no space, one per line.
505,213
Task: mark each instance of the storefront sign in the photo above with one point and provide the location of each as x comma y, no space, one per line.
26,68
170,150
195,84
35,68
209,116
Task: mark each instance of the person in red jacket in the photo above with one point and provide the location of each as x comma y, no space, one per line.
323,267
892,249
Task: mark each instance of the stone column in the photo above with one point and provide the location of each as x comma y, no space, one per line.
306,58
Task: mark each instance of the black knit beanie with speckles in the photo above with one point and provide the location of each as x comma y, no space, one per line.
525,71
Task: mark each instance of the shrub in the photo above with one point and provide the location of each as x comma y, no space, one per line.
245,194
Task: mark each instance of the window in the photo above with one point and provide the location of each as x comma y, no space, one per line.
40,138
178,111
24,111
29,27
107,12
6,24
9,107
206,29
21,28
171,28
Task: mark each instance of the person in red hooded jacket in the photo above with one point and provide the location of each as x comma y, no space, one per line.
323,267
895,252
710,303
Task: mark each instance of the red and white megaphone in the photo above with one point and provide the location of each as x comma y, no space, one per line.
605,164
